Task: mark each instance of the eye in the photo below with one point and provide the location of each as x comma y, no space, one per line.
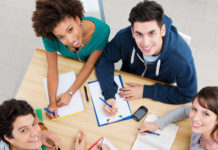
24,131
151,33
138,34
206,114
70,30
194,109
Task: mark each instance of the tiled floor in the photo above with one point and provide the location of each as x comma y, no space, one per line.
196,18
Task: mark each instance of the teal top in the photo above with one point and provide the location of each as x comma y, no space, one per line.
98,41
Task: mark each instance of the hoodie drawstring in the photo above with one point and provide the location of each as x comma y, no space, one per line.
145,64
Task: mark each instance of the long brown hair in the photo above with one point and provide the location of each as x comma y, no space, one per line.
208,98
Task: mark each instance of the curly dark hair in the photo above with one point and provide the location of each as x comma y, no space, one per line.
9,111
147,11
208,98
49,13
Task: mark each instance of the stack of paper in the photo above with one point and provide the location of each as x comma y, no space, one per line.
75,106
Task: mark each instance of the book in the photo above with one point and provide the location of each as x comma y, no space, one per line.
103,140
124,111
154,142
75,106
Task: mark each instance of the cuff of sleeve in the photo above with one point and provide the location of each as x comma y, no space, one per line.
108,95
148,91
159,124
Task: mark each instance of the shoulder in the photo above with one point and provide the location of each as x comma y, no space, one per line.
124,35
100,25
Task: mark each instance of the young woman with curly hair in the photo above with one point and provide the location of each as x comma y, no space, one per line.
63,28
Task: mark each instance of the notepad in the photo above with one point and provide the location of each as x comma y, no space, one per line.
105,141
75,106
154,142
124,111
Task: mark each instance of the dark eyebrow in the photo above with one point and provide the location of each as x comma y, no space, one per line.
68,27
25,126
138,32
152,31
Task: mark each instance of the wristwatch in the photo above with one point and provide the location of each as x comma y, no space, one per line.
70,92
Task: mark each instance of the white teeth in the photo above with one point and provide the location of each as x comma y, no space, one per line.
35,139
196,125
75,43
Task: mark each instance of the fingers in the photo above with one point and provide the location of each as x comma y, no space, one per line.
132,84
110,111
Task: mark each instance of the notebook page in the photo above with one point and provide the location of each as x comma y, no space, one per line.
123,107
154,142
65,82
105,141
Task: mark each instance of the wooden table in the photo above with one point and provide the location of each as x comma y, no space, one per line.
121,134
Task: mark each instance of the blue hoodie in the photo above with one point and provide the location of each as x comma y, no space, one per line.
175,64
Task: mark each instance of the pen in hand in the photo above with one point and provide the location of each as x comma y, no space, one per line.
50,111
105,102
150,132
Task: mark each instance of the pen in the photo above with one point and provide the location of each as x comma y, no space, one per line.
150,132
105,102
101,143
87,98
50,111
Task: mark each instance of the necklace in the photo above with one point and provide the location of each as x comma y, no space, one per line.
76,50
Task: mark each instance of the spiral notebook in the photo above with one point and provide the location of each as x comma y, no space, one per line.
153,142
124,111
75,106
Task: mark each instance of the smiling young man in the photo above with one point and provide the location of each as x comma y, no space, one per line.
151,47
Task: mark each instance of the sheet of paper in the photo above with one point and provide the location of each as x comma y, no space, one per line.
154,142
65,82
123,106
105,141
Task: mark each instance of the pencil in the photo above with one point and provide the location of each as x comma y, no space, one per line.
105,102
87,98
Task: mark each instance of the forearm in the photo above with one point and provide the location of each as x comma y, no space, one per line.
173,116
52,80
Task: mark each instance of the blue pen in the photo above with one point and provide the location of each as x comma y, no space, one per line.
105,102
150,132
50,111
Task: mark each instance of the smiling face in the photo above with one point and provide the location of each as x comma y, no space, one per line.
69,32
148,36
26,133
203,120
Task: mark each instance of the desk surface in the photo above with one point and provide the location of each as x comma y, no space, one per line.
121,134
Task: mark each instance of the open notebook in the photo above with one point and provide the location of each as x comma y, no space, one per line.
124,111
76,104
103,140
154,142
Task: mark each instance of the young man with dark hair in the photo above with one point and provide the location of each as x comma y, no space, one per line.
151,47
21,129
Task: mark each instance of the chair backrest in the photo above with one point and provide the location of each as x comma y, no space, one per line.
187,38
94,6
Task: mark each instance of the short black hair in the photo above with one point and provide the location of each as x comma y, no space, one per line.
147,11
9,111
